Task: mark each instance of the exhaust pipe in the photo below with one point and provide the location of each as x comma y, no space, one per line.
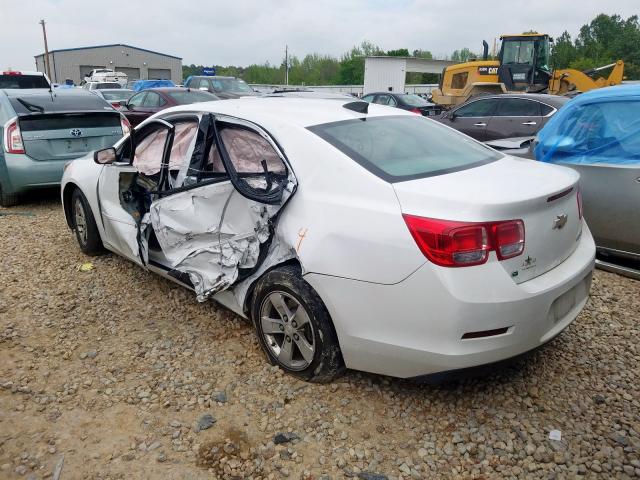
485,50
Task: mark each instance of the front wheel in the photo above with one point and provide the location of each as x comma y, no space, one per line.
84,225
294,327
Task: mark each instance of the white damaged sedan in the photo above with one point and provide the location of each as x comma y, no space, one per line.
351,235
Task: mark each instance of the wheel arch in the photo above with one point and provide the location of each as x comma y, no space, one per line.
67,192
248,299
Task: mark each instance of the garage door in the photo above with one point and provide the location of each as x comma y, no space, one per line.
131,73
159,74
86,70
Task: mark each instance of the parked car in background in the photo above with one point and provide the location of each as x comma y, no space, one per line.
139,85
43,130
223,87
598,135
446,237
20,80
147,102
405,101
102,75
101,85
493,117
308,93
117,97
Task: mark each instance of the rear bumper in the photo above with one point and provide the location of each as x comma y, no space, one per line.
416,327
20,173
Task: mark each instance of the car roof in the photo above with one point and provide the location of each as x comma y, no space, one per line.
102,90
170,89
212,76
553,100
21,72
301,112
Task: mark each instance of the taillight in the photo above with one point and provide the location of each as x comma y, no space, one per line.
115,103
13,137
461,244
579,199
12,72
508,238
124,123
416,110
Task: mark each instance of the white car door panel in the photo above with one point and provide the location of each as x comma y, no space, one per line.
212,232
121,229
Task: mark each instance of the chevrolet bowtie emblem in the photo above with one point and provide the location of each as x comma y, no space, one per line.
560,221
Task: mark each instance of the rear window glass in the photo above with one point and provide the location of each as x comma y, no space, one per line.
398,148
58,101
187,97
102,86
122,94
23,81
415,101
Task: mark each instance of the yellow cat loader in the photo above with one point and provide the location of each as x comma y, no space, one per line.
522,66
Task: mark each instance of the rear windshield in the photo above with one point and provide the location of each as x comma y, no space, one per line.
58,101
193,96
101,86
398,148
415,101
23,81
122,94
234,85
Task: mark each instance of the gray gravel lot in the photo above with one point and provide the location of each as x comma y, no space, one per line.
122,374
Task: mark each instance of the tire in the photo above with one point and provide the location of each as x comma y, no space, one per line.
8,199
84,225
284,339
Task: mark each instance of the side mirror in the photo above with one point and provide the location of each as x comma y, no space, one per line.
451,116
105,156
559,143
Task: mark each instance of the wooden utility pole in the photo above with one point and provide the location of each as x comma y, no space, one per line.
46,51
286,64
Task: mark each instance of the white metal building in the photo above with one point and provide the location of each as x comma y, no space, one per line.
137,63
388,74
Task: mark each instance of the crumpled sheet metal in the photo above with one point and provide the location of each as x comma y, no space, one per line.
210,233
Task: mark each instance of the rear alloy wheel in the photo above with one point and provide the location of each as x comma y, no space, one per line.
294,327
84,225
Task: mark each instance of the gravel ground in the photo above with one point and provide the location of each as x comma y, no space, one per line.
120,374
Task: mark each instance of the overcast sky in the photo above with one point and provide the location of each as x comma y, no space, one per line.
254,31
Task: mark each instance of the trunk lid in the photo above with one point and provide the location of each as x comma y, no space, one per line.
543,196
65,136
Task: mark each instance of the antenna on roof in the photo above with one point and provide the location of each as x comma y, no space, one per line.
358,106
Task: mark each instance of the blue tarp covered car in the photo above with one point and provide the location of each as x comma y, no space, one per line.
598,134
600,126
144,84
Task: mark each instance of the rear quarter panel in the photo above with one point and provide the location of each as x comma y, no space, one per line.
343,220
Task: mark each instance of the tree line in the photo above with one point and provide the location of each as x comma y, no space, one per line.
604,40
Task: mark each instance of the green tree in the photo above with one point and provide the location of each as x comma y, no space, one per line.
564,51
352,63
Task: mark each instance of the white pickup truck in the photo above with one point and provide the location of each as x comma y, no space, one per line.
105,75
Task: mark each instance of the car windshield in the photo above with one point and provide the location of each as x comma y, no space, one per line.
415,101
397,148
230,85
518,52
122,94
23,81
193,96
